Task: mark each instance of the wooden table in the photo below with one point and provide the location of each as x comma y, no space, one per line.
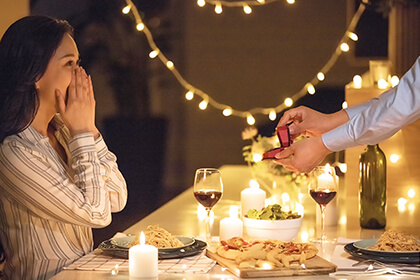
179,216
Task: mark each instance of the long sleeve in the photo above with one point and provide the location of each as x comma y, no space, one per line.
48,206
379,118
37,179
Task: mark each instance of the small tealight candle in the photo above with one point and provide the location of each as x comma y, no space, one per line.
252,198
232,226
143,260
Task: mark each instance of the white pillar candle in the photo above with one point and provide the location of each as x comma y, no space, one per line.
326,181
232,226
252,198
143,260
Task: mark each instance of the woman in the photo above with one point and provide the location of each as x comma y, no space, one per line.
57,178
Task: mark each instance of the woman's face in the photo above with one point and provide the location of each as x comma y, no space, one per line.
58,74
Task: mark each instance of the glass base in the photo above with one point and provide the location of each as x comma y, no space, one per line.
325,246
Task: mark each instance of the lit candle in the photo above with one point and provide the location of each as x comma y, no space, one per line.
143,260
232,226
326,180
252,198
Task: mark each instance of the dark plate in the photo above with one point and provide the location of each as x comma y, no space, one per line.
363,245
110,249
412,258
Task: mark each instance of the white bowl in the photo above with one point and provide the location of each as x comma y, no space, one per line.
283,230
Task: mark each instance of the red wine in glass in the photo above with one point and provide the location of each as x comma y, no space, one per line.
208,189
207,198
322,197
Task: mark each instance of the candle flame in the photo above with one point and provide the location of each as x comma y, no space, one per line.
253,184
233,211
142,238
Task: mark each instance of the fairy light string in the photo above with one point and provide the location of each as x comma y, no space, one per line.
228,110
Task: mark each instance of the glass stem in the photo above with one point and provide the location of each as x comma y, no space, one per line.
323,236
208,226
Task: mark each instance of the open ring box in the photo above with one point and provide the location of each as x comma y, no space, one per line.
285,141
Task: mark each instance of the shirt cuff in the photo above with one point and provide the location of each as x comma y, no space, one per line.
82,143
338,139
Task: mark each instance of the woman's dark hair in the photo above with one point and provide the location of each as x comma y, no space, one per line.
25,51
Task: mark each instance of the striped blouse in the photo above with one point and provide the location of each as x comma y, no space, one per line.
48,206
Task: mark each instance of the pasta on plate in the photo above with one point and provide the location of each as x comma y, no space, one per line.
396,241
159,237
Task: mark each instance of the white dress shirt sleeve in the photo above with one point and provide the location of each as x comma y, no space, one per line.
381,117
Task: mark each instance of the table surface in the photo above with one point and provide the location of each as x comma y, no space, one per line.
179,216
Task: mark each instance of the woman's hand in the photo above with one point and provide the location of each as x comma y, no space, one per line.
78,113
310,122
304,155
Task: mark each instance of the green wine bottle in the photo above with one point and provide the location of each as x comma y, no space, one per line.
372,188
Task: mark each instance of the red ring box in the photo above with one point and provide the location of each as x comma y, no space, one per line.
285,141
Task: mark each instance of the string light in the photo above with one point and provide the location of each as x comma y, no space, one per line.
203,104
345,105
288,102
353,36
394,81
247,9
189,95
239,3
207,100
126,9
310,88
140,26
357,81
227,112
345,47
273,115
320,76
153,54
250,119
218,8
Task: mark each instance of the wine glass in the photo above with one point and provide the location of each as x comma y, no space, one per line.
208,189
323,188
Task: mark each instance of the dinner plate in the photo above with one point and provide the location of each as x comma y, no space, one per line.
363,245
126,241
410,258
109,248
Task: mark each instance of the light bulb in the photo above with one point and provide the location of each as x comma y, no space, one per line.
357,81
189,95
227,111
288,102
344,105
343,167
140,26
352,36
250,120
126,9
291,1
273,115
203,105
320,76
394,158
218,8
311,89
382,84
394,81
201,3
247,9
170,64
153,54
261,1
411,193
344,47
